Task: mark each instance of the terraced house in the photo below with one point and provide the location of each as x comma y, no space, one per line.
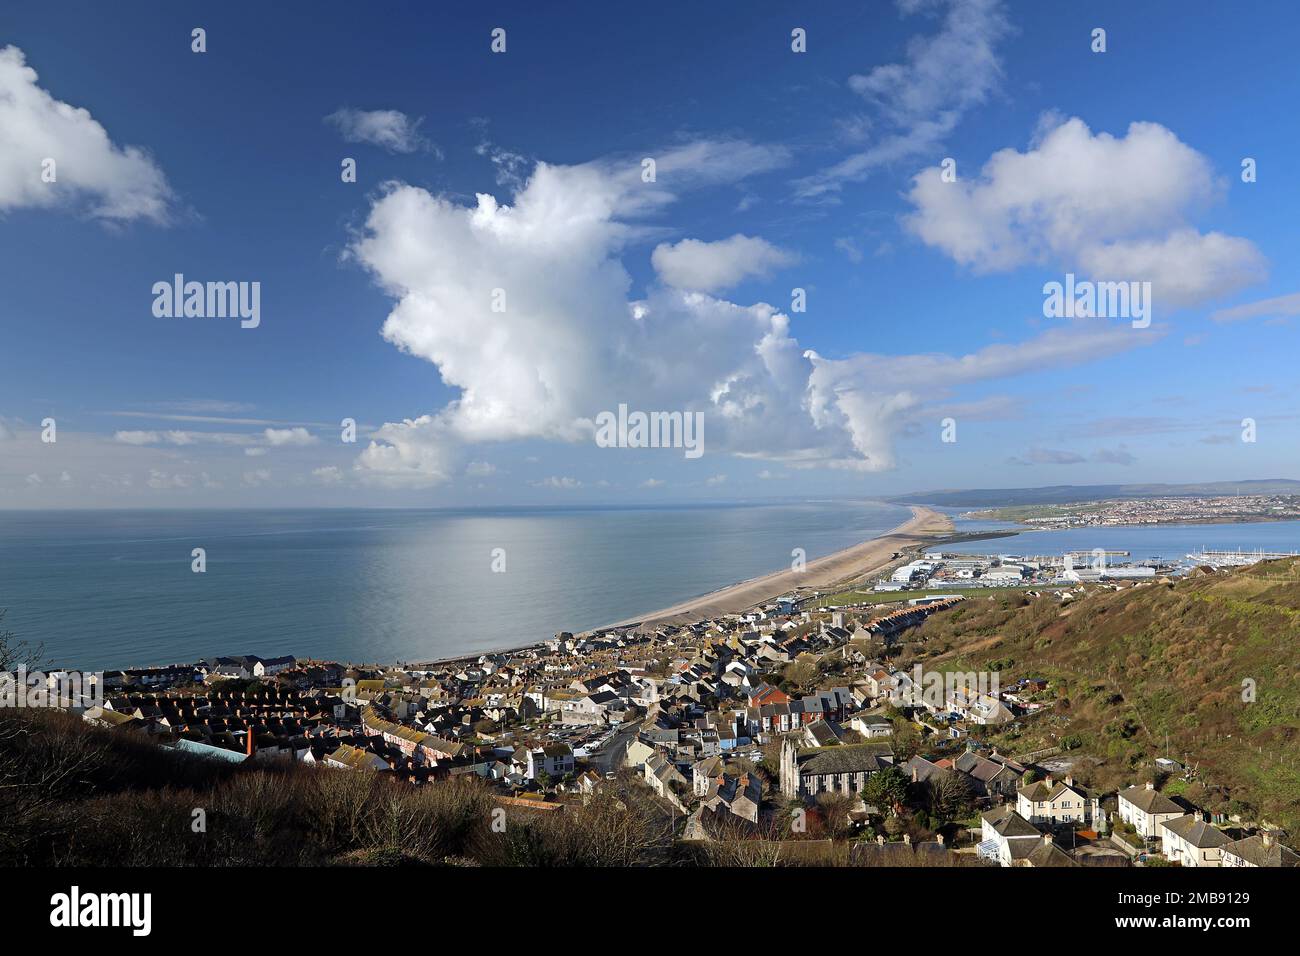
416,744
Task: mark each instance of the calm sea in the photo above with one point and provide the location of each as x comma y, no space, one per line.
107,589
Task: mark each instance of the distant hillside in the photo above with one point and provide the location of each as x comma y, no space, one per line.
1132,667
1065,494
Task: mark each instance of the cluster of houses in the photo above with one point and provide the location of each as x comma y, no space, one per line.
234,725
1151,825
211,671
1021,831
695,712
1187,836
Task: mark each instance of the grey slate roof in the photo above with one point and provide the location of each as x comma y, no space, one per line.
1196,832
854,758
1049,854
1150,801
1252,850
1009,824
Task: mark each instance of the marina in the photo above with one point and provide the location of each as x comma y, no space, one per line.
1236,559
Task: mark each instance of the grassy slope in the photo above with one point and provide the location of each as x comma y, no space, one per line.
1130,666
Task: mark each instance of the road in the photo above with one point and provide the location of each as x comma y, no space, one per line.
611,757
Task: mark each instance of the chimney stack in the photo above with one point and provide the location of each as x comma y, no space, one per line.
907,838
880,841
1266,838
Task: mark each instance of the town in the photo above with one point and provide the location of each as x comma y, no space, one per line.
796,726
1148,511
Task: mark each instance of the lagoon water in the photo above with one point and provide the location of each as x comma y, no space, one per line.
1170,542
106,589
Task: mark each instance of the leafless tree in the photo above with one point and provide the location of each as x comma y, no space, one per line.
44,760
15,653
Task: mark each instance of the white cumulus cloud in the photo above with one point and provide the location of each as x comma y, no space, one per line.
1114,208
327,475
574,338
91,173
289,436
132,437
711,266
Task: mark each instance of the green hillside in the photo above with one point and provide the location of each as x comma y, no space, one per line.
1212,661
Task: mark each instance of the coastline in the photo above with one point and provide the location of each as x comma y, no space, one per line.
926,527
1261,519
840,568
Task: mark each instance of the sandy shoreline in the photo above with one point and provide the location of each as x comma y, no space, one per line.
841,568
845,567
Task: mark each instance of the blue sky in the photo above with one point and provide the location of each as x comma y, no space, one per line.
776,170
